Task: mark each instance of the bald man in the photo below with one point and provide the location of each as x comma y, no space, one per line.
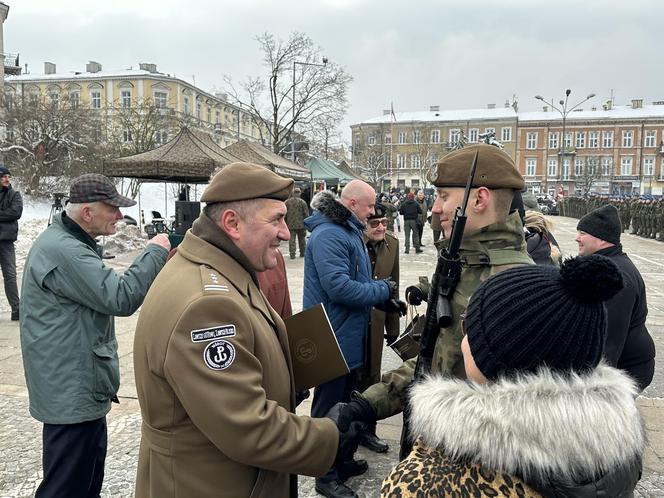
337,273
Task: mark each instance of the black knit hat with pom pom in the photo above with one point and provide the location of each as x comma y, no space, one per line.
531,316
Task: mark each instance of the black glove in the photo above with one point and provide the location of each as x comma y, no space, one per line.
358,409
414,295
394,306
349,438
300,396
394,287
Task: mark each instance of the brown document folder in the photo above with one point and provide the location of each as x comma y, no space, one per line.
315,351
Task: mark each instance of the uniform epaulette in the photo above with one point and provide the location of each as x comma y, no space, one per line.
211,281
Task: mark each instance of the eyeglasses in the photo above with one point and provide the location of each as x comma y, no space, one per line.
375,223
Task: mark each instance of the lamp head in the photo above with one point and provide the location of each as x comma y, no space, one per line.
567,92
539,97
324,60
590,96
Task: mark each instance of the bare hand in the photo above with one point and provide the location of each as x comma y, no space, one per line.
161,239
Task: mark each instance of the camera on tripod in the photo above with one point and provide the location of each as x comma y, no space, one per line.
57,205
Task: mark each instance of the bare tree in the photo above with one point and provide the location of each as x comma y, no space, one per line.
295,67
590,173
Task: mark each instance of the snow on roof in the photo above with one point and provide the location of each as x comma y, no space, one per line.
118,73
452,115
617,112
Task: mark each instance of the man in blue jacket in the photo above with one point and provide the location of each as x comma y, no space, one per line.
337,273
70,353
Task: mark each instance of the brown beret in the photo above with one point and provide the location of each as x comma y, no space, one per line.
495,169
243,181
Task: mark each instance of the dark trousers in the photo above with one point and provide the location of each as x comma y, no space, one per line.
408,227
73,460
8,265
325,397
420,231
301,239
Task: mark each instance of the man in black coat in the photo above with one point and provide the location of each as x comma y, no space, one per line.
411,211
11,208
629,345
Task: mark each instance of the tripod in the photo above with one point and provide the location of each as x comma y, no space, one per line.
56,207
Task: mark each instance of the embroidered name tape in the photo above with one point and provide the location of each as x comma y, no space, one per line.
219,355
212,333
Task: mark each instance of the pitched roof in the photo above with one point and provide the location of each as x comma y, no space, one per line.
187,158
253,152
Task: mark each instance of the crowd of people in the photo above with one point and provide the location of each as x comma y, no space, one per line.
530,334
642,216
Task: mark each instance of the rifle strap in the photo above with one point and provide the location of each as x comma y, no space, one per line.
497,257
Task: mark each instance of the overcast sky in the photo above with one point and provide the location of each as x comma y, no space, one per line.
415,53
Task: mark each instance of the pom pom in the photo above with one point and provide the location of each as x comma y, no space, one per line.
591,279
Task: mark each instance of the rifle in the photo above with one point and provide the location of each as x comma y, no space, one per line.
439,307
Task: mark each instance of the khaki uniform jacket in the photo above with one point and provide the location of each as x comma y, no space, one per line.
386,265
214,381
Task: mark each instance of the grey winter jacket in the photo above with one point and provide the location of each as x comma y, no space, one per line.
68,300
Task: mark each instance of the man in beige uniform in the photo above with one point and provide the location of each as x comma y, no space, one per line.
213,370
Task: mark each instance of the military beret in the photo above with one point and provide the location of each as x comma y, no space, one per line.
495,169
243,181
379,211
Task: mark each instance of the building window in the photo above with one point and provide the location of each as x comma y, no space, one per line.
593,139
74,98
388,162
435,136
531,140
552,167
553,140
568,139
627,138
416,137
433,158
580,139
185,105
649,140
55,99
565,171
388,138
455,133
358,139
401,161
160,100
607,166
607,139
217,116
415,161
625,166
506,134
126,136
402,137
371,140
473,135
33,99
161,137
578,167
415,183
198,110
209,114
125,96
531,166
95,99
648,166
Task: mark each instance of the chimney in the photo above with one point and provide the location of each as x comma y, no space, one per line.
609,105
221,96
49,68
656,102
144,66
386,112
491,106
637,103
434,108
92,67
545,108
507,104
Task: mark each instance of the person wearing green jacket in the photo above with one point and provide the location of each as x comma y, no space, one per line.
70,358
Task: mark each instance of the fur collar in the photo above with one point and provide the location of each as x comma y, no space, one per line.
536,426
327,204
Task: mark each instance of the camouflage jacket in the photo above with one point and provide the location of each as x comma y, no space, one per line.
492,249
297,211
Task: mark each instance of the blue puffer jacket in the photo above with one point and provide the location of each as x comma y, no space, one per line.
337,273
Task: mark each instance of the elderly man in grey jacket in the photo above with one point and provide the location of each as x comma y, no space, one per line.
68,339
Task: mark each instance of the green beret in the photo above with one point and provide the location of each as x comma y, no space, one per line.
243,181
495,169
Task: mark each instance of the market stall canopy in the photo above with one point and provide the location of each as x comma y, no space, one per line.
187,158
253,152
345,167
322,169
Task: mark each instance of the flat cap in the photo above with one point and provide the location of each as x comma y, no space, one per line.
93,187
243,181
379,211
495,169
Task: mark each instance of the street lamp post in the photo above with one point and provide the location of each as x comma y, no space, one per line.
564,110
293,123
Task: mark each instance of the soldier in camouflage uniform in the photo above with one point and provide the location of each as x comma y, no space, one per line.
660,219
297,211
493,241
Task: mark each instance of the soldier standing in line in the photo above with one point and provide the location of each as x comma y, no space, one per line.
297,211
493,241
383,249
660,219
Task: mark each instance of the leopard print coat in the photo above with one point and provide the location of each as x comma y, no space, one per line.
527,437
